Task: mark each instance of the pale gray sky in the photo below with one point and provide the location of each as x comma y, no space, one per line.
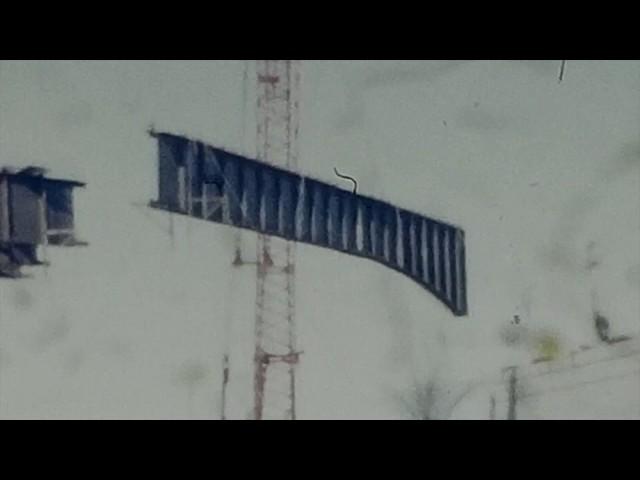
532,169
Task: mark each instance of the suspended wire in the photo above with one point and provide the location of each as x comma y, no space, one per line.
237,247
346,177
245,103
573,386
562,67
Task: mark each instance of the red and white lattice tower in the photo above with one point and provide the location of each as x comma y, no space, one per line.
278,83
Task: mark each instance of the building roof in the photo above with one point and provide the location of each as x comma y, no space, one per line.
37,173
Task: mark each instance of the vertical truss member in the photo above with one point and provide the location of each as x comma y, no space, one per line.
275,350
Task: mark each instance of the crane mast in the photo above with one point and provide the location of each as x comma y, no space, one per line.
276,357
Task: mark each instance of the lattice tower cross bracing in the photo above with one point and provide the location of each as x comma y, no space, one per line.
278,83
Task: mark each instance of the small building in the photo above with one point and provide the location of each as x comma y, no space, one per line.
34,211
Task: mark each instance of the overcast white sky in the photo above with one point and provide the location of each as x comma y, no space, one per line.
531,168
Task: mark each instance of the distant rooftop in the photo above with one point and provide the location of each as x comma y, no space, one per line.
37,172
